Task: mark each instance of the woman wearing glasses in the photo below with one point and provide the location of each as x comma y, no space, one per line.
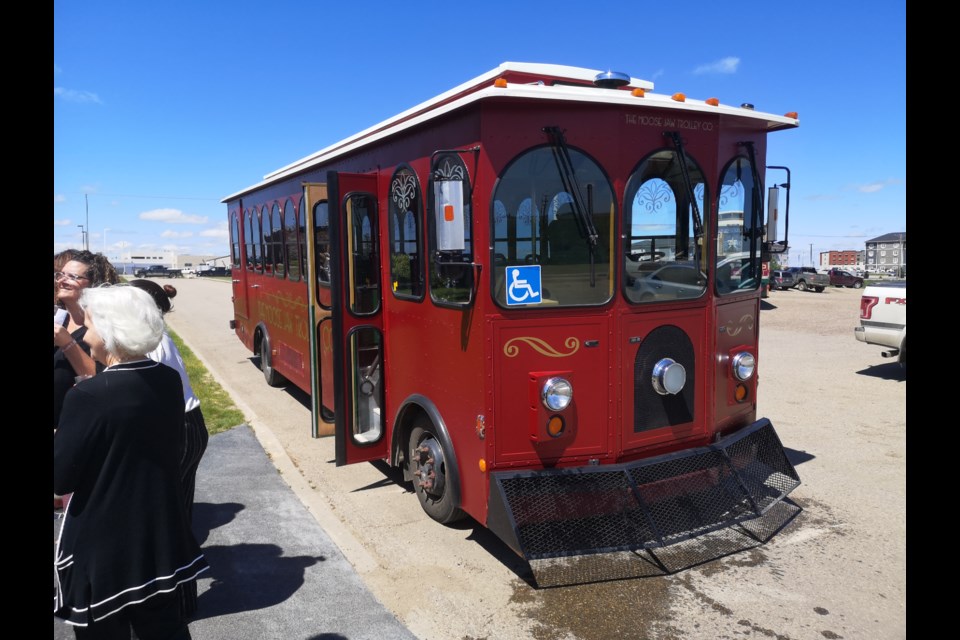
71,355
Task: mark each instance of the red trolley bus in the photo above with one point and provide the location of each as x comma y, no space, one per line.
538,294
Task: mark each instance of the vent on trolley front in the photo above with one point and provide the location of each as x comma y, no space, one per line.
652,409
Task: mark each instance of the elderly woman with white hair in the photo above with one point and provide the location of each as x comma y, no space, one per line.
125,544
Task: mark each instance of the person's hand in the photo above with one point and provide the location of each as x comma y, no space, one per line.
61,337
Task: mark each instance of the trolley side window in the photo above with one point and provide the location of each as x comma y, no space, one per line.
321,226
451,238
364,266
538,222
255,243
406,244
290,241
275,242
738,259
661,257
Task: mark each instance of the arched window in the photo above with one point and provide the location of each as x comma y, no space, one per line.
406,251
451,268
663,257
290,240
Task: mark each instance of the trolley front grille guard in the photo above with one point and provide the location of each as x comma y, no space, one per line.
644,504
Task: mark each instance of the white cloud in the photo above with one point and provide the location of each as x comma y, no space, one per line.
873,187
172,216
72,95
220,231
177,234
66,222
724,65
57,70
59,197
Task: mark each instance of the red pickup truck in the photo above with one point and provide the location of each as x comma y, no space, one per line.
841,278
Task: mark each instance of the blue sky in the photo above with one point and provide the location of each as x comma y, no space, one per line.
163,109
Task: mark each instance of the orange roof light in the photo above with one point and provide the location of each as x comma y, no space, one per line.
483,465
500,83
791,114
679,97
713,102
637,93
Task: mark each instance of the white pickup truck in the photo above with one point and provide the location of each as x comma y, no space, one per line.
883,319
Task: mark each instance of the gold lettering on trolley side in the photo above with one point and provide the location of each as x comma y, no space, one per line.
731,329
540,346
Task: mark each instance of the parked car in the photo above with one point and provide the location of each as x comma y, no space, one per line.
883,319
214,272
809,279
842,278
782,279
673,281
158,270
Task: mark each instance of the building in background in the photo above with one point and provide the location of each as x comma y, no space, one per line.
887,254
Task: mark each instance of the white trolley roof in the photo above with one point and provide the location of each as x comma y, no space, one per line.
522,80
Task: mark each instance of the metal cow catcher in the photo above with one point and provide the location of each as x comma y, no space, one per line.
538,294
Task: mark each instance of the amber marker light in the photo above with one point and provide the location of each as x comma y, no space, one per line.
500,83
483,465
791,114
679,97
740,393
637,93
713,102
555,426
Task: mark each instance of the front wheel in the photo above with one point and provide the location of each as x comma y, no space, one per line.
858,284
426,459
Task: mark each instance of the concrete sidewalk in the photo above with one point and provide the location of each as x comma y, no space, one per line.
274,572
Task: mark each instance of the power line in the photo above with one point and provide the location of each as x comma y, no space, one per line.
122,195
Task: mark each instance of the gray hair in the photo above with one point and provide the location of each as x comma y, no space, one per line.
126,318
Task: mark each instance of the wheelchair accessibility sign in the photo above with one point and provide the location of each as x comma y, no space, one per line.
523,285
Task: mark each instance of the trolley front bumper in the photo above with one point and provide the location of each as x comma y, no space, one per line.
641,505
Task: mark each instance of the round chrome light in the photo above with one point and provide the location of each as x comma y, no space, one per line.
669,377
556,394
744,364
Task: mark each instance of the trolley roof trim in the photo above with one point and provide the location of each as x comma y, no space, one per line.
524,80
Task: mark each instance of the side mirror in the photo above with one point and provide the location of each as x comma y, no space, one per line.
772,243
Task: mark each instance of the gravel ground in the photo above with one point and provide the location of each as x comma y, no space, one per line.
837,570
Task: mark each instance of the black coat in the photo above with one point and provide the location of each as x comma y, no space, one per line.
125,535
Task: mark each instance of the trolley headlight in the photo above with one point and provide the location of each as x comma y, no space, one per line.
556,394
744,364
669,377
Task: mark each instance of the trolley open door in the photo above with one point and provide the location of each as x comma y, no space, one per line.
357,312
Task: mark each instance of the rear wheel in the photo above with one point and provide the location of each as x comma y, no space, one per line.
802,285
858,284
426,460
270,374
818,289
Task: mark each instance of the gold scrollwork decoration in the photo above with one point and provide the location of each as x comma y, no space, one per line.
745,322
541,346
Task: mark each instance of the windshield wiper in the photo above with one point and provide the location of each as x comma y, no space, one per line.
697,221
583,216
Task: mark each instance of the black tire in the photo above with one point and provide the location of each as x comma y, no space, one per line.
436,495
858,284
270,374
802,285
818,289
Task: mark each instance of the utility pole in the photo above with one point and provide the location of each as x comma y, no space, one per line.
812,263
86,203
83,237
